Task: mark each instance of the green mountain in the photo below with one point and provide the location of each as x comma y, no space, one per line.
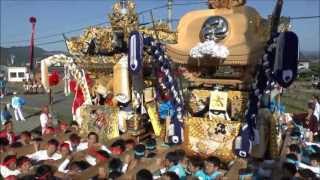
21,55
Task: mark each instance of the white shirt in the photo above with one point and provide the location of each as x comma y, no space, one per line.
316,170
62,167
44,120
91,160
316,112
43,155
5,172
84,145
311,143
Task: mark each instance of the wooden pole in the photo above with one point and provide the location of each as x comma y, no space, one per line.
50,96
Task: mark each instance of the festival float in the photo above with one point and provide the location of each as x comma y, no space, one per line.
199,86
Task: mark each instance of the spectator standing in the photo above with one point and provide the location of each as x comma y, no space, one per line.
35,87
39,87
17,104
2,87
25,86
5,115
44,118
29,86
316,111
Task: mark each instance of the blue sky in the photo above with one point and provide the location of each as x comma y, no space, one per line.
57,16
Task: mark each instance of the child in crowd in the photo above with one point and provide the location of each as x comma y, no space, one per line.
195,167
173,164
211,167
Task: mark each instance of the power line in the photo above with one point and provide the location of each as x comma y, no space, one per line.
99,24
304,17
140,13
174,4
190,3
50,42
56,34
174,20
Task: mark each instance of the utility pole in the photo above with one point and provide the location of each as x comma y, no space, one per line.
170,13
33,21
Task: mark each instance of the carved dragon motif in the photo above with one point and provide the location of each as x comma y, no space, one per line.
74,70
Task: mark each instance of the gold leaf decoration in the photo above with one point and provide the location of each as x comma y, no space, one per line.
211,137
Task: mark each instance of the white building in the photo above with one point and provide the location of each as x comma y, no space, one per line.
17,74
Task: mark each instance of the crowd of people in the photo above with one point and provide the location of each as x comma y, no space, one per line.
63,154
32,87
303,150
59,151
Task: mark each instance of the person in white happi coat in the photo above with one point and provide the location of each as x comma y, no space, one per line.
45,117
9,166
49,154
92,141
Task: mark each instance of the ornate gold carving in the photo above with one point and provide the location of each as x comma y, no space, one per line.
124,18
226,3
237,101
101,36
218,100
163,32
211,137
275,137
100,119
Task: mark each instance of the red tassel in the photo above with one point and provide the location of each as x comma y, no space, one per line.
54,78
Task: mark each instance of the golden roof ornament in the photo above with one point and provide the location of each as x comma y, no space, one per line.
218,4
105,41
124,16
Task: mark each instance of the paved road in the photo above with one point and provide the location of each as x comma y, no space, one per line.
61,108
